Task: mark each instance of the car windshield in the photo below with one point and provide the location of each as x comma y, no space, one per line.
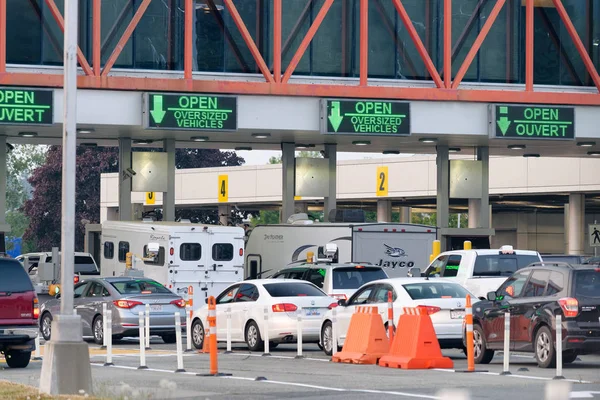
139,287
587,283
501,264
14,278
435,290
355,277
293,289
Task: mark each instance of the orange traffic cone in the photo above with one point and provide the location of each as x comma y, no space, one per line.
366,341
415,346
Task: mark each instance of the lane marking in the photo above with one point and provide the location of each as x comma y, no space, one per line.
539,378
281,357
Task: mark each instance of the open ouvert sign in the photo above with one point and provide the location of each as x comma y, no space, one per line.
20,106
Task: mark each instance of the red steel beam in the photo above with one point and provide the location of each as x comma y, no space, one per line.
447,43
478,42
589,64
277,40
529,46
126,35
237,19
306,41
61,24
364,42
414,35
2,36
97,37
188,49
303,90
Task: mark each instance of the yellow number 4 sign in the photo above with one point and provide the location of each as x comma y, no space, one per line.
382,181
223,189
150,198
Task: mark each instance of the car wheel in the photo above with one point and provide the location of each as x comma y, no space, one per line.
481,353
18,358
46,326
327,338
569,356
198,334
169,339
98,330
545,355
253,339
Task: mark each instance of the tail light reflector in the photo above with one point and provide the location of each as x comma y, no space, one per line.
332,305
179,303
241,252
570,306
171,251
36,308
430,309
284,307
76,279
127,303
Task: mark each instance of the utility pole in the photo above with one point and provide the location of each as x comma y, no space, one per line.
66,367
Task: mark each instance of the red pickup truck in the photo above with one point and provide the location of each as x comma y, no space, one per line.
19,312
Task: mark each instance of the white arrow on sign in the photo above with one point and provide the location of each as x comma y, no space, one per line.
583,395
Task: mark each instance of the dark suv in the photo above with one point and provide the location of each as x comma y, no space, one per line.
19,314
534,296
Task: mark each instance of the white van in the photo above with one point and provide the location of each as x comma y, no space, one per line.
203,258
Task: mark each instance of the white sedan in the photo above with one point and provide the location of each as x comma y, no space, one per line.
281,298
444,300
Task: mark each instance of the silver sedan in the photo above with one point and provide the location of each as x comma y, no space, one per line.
126,297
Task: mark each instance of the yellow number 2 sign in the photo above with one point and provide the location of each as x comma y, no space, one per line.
223,188
382,181
150,198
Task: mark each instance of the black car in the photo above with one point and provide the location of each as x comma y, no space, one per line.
534,296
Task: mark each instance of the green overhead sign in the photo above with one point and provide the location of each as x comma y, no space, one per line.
533,122
26,106
195,112
365,117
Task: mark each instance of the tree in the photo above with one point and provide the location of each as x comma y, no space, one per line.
20,163
265,217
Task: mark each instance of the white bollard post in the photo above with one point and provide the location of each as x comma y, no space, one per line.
506,369
147,325
104,305
557,390
333,331
299,341
142,341
108,334
37,354
188,329
179,343
558,348
266,331
228,331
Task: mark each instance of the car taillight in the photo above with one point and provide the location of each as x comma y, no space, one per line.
127,303
241,252
332,305
76,279
36,308
179,303
570,306
171,251
338,296
430,309
284,307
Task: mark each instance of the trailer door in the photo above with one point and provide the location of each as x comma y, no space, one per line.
225,260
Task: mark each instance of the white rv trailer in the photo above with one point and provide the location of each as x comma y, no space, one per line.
207,258
395,247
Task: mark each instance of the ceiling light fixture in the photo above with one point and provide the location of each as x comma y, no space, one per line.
143,141
586,144
361,142
593,153
200,138
517,146
428,140
304,146
28,134
89,144
85,130
454,149
261,135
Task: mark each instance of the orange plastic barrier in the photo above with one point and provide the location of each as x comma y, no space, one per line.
415,345
366,341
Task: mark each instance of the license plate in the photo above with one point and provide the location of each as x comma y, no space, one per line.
457,314
310,312
155,307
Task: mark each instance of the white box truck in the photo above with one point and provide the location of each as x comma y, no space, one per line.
203,258
395,247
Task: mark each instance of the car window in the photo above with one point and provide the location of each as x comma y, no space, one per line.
95,290
247,292
536,286
436,266
362,296
109,250
14,278
79,289
293,289
513,286
228,296
160,260
501,264
316,276
452,265
556,283
587,283
85,265
139,286
355,277
435,290
123,250
222,252
381,294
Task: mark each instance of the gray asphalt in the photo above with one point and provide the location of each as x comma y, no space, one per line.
310,378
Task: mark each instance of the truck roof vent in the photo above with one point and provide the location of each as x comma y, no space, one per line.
299,219
347,215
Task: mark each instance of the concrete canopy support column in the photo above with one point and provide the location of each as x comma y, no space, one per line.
331,200
405,215
384,211
479,209
288,171
576,223
169,195
125,209
443,190
474,211
224,214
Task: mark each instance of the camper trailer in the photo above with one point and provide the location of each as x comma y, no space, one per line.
395,247
193,260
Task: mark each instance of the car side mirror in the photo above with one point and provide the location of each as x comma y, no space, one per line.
342,302
491,296
414,272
